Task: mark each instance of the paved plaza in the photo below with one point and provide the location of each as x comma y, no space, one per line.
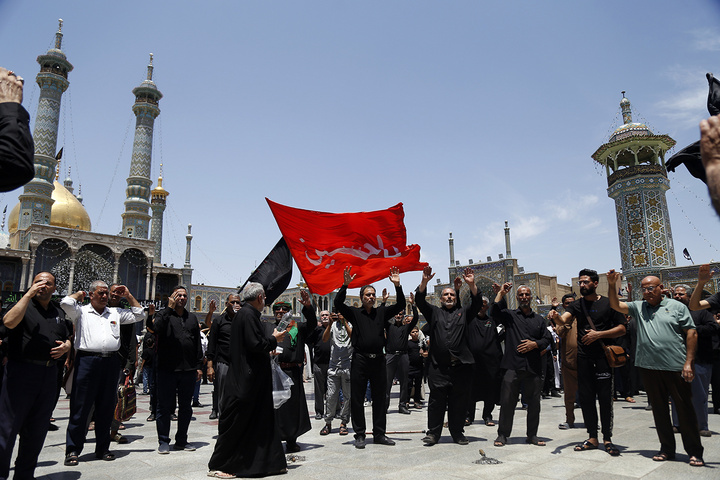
334,457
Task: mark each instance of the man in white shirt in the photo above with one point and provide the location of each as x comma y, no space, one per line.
97,365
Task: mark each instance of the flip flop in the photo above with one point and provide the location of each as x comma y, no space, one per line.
630,399
612,449
586,445
696,461
500,441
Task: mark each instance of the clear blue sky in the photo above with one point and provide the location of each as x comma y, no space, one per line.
469,112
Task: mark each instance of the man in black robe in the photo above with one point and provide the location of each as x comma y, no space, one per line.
293,417
248,442
17,165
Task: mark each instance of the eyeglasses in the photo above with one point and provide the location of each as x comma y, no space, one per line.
648,289
233,302
584,282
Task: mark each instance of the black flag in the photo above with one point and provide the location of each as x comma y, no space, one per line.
687,256
274,273
690,155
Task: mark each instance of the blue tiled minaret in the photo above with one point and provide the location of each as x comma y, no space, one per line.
36,200
136,220
634,160
158,203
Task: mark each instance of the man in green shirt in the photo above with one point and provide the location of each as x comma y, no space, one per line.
665,357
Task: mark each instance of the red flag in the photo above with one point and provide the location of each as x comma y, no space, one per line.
323,244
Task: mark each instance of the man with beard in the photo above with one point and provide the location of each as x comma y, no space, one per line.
450,358
526,335
97,365
38,338
368,362
320,359
665,361
396,356
485,345
597,323
179,366
248,442
292,417
218,351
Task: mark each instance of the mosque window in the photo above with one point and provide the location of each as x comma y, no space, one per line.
198,303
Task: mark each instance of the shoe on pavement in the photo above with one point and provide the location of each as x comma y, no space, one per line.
360,441
318,416
188,447
163,448
705,433
197,404
461,440
173,418
404,409
291,447
213,415
430,439
383,440
116,437
564,426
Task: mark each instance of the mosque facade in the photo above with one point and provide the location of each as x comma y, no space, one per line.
49,229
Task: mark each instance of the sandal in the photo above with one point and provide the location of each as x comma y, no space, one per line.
219,474
586,445
662,456
500,441
71,459
630,399
489,422
107,456
535,441
343,429
612,449
696,461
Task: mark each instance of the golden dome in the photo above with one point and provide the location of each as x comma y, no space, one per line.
66,211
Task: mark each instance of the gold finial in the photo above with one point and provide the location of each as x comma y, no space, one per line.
58,35
150,68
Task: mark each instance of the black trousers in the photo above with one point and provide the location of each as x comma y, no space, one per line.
509,391
449,390
168,384
595,380
320,382
397,365
363,369
27,401
659,385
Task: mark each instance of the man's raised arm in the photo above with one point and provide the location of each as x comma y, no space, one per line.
613,278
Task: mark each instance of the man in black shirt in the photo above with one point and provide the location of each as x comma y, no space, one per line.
368,362
450,357
179,366
396,357
595,376
526,335
38,338
218,351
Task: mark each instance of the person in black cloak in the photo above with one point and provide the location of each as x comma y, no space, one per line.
293,417
248,442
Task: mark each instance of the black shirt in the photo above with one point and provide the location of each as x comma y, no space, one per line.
178,340
602,316
448,342
708,331
37,332
293,350
519,327
397,340
218,349
369,329
320,349
17,151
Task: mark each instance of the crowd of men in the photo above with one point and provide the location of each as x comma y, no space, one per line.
481,351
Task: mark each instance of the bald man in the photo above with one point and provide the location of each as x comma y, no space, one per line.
665,357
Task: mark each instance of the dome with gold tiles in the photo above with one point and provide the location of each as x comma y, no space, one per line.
66,211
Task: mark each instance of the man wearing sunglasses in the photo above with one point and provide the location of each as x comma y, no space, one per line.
218,351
